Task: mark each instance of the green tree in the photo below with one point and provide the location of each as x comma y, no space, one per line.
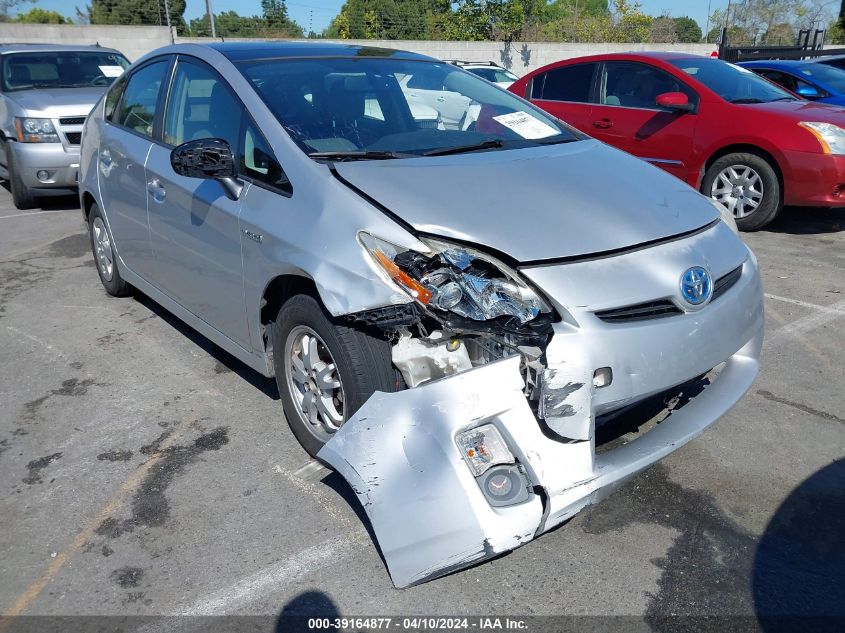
770,21
386,19
629,23
663,30
494,19
687,29
42,16
137,12
7,7
275,13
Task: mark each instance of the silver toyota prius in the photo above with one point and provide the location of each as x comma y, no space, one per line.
460,296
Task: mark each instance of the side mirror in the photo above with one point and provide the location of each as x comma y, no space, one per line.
209,158
808,92
205,158
677,101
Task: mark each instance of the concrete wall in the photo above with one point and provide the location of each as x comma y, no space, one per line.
133,41
520,57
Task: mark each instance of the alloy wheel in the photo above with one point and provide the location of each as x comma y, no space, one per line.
738,188
314,382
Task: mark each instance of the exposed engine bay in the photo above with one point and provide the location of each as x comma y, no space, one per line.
470,310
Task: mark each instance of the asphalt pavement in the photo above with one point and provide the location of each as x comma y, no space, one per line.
145,471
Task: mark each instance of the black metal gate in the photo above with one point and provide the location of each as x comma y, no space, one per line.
804,48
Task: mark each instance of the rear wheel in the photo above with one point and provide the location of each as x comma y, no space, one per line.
325,370
104,255
747,186
21,194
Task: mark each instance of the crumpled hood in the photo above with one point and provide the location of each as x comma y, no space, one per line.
58,101
536,203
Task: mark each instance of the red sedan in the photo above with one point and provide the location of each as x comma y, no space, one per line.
736,137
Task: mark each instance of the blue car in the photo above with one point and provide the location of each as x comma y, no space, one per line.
812,80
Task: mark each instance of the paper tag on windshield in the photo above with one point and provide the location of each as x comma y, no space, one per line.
526,125
111,71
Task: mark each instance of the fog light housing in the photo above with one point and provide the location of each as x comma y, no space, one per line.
43,175
602,377
505,486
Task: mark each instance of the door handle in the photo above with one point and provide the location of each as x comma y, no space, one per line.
156,190
603,124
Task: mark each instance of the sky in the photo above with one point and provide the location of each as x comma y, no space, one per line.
317,14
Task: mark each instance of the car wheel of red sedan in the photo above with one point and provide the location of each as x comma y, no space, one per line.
747,186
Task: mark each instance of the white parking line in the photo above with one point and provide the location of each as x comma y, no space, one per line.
276,578
805,304
822,316
21,215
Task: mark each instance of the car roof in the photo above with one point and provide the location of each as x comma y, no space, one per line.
778,63
53,48
244,51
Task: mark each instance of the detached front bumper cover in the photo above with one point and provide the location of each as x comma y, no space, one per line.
399,454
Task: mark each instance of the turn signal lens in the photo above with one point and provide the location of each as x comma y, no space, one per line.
484,447
416,290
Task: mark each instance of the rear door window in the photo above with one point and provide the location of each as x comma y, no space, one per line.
569,83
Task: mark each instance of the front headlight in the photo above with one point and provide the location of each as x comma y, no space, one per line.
727,216
458,279
36,131
830,136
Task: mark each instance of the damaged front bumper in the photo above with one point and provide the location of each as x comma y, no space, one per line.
427,510
405,458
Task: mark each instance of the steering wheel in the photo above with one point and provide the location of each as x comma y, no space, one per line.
100,80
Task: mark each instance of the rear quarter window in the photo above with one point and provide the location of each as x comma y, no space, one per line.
569,83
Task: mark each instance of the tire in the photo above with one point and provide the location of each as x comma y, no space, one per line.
362,363
754,178
105,261
21,194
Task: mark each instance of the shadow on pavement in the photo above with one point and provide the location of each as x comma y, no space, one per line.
798,578
225,361
51,203
807,221
295,615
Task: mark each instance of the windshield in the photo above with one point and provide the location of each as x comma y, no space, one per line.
833,77
496,75
732,83
370,107
61,69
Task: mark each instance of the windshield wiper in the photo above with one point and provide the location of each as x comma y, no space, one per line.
783,99
360,155
463,149
747,100
556,141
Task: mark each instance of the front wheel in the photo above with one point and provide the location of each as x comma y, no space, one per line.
747,186
21,194
325,370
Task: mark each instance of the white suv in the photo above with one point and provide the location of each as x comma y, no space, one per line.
490,71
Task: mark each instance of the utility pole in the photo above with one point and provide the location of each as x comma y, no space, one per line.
707,27
210,12
167,17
